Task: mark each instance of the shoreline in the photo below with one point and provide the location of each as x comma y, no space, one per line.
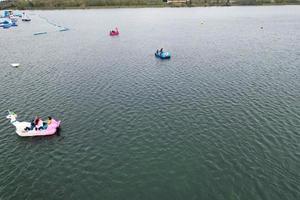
144,6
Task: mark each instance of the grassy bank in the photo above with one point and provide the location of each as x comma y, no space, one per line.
63,4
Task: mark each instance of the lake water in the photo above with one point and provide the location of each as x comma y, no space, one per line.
220,120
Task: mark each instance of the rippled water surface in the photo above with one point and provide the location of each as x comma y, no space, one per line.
220,120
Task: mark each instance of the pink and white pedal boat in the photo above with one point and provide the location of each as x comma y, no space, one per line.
21,126
114,32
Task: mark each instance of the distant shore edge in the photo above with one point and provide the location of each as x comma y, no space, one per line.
29,5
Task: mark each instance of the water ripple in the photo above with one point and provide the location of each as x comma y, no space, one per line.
220,120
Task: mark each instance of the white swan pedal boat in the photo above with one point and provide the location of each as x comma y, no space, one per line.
51,129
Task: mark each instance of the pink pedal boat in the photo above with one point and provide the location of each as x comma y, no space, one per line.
114,32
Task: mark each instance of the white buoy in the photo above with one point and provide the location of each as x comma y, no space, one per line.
15,64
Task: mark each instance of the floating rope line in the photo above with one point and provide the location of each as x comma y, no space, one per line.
64,29
40,33
61,28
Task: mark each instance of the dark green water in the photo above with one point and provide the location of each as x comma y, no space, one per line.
220,120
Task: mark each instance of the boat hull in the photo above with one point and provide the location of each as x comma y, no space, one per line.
164,55
114,34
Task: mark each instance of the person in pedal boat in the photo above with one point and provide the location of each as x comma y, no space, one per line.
46,123
38,123
49,120
32,125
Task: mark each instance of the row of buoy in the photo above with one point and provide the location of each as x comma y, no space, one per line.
61,28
